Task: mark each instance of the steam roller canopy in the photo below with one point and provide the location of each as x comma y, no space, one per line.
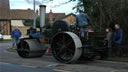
60,26
30,48
66,47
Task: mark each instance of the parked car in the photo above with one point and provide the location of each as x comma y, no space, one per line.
1,37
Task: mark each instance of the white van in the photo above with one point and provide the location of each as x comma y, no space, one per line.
1,37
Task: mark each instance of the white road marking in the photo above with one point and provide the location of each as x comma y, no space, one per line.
31,66
58,70
4,63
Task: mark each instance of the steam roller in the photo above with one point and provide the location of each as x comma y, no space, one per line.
68,46
66,43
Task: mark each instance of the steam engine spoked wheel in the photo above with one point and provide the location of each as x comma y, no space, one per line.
66,47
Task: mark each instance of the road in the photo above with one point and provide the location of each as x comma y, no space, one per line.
10,67
6,67
11,62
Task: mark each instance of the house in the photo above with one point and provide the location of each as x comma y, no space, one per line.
10,18
54,16
17,16
70,18
5,22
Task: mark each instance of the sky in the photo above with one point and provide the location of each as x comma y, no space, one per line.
57,6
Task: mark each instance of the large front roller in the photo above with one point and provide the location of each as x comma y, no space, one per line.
30,48
66,47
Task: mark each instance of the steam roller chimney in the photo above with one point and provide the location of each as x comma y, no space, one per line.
42,16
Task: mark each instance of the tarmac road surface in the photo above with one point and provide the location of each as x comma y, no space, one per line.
11,62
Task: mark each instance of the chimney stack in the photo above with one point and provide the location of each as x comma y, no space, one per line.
37,13
42,16
51,17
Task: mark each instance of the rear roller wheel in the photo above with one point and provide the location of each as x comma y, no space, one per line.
66,47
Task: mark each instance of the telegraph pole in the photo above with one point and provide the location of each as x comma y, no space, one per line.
34,15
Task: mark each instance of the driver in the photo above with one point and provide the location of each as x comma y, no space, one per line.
82,20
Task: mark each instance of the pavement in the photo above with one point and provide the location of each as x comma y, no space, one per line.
11,62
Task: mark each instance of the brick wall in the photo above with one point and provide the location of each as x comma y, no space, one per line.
5,27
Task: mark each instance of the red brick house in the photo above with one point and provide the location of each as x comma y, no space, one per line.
54,16
70,18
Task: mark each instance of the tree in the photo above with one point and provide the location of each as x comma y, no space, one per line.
28,22
103,13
